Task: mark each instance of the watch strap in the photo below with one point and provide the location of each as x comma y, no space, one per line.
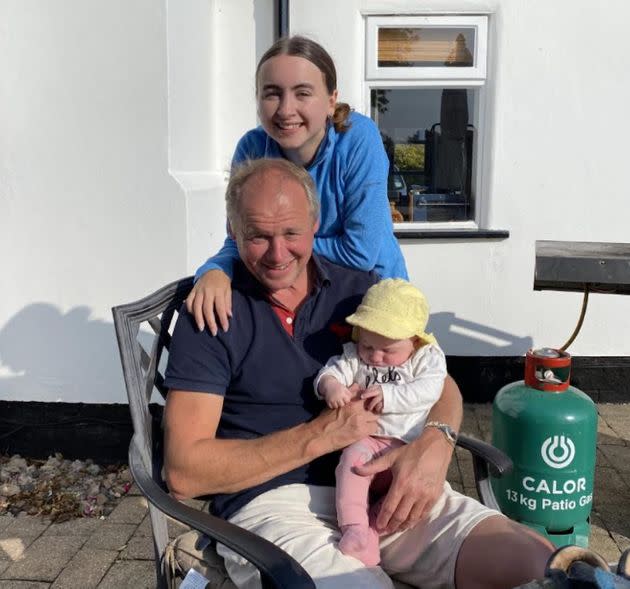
449,433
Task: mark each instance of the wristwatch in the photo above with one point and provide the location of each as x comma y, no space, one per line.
445,428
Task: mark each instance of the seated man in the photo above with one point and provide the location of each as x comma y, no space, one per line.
242,423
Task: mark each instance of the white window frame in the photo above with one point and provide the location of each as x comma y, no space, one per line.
473,79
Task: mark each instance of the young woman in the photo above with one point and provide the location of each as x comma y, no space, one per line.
296,90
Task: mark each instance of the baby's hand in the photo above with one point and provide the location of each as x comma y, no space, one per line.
339,398
375,396
336,394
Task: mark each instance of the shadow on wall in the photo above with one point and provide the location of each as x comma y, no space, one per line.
481,359
459,337
48,355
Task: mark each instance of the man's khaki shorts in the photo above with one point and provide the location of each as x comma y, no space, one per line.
301,520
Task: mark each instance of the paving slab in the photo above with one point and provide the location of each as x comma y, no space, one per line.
5,520
86,569
144,528
131,510
129,574
483,414
174,527
13,547
468,475
619,424
481,410
44,559
601,459
453,473
457,487
23,585
610,488
118,550
195,503
111,536
463,455
471,492
622,541
606,435
618,456
138,548
616,519
603,543
28,525
470,424
75,527
613,410
133,490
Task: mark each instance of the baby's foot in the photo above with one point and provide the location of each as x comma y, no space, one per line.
361,542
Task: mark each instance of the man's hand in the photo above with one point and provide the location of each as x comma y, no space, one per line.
374,395
418,473
211,295
344,426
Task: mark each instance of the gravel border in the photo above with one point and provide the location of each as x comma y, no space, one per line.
60,489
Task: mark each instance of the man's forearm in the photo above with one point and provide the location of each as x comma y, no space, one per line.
210,465
224,466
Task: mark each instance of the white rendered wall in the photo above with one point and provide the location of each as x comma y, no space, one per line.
89,215
557,162
213,48
117,125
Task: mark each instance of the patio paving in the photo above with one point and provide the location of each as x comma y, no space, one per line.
117,552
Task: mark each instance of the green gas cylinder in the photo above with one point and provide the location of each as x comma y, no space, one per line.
549,430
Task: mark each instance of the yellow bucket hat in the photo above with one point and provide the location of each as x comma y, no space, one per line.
395,309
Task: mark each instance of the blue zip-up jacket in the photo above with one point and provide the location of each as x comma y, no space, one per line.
350,171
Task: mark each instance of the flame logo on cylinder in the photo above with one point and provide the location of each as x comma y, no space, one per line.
558,451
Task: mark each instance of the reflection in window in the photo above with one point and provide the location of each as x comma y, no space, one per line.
426,47
429,141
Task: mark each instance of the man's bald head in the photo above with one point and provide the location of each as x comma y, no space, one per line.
247,174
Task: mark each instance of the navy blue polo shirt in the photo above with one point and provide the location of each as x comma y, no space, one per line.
265,375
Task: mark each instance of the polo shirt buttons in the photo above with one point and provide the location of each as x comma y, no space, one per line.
289,320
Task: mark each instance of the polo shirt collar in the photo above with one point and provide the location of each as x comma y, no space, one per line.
322,275
245,281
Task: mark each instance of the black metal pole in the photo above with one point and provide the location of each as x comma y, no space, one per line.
283,18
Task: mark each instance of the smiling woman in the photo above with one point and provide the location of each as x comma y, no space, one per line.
301,120
294,105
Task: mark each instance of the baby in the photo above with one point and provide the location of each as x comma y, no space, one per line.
400,371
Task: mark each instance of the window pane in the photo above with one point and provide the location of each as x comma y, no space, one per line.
429,142
426,47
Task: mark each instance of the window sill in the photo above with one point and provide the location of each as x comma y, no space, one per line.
415,233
